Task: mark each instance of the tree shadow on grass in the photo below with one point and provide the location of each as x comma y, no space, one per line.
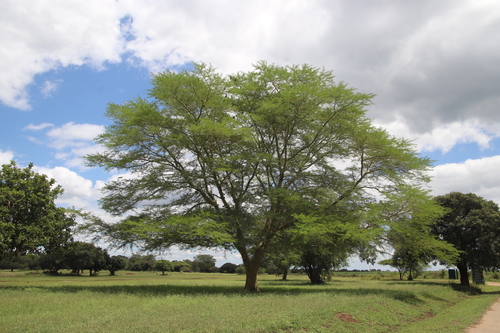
201,291
468,290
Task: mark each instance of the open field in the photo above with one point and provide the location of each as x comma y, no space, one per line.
197,302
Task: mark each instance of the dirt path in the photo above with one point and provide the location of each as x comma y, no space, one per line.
490,323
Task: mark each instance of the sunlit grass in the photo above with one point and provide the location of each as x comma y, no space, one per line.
195,302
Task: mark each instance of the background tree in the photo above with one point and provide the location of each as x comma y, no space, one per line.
228,268
281,255
409,214
182,266
81,256
204,263
163,266
229,161
472,225
52,263
29,219
116,263
139,262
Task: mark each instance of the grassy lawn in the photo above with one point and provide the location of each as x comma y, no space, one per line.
196,302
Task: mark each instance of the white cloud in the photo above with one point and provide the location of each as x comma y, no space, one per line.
433,63
33,127
78,191
6,157
478,176
444,137
71,141
38,36
49,87
73,135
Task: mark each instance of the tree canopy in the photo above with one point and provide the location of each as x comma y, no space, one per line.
81,256
29,219
472,225
410,215
232,161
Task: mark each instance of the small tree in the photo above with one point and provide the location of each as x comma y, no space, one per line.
408,214
228,268
182,266
116,263
163,266
138,262
81,256
52,263
204,263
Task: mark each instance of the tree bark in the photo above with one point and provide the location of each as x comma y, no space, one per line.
285,274
464,275
252,270
314,274
252,265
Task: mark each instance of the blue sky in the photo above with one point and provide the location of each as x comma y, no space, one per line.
434,65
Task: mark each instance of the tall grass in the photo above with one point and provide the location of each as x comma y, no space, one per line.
196,302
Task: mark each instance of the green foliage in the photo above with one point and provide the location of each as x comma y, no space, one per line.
30,222
410,213
228,268
231,162
472,225
240,270
204,263
81,256
182,266
163,266
138,262
117,263
52,263
29,261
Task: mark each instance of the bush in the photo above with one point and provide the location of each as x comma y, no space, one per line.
240,270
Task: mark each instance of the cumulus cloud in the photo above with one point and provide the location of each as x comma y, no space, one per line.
38,36
73,135
443,138
79,192
479,176
431,62
6,157
71,141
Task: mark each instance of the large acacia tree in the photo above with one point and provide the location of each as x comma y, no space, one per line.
231,161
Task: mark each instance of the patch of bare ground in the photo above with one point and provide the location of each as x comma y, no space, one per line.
345,317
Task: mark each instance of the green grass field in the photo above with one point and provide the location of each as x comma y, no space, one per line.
197,302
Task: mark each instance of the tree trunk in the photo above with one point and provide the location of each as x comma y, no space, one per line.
252,270
285,274
252,265
464,275
314,274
